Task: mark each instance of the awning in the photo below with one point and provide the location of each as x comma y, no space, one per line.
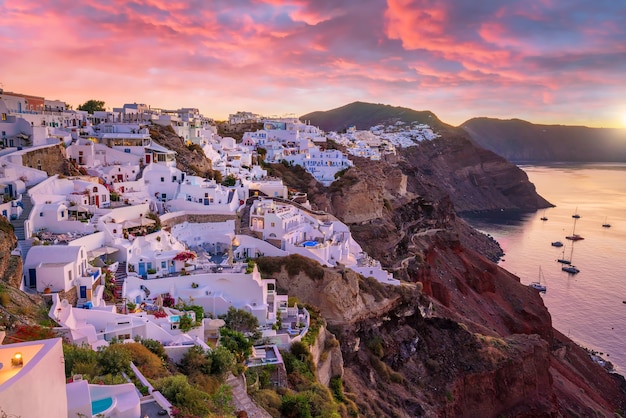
78,208
106,250
134,223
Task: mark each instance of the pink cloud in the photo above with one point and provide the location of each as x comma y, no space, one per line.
304,55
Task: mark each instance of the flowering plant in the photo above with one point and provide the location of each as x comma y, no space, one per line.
185,255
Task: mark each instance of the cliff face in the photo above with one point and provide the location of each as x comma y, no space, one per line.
518,140
463,337
465,340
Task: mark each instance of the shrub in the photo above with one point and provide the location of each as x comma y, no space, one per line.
295,406
222,361
148,363
269,400
31,333
376,346
80,360
155,346
114,359
237,343
5,299
189,400
195,360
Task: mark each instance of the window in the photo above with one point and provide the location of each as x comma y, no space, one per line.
62,214
40,213
162,179
173,179
4,117
272,224
163,264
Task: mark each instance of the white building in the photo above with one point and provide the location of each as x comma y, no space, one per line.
318,236
59,268
32,379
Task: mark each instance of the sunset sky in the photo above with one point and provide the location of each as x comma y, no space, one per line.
546,61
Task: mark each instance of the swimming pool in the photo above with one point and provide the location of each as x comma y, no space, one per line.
101,405
175,318
309,243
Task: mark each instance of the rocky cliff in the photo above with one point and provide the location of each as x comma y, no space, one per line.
462,337
190,159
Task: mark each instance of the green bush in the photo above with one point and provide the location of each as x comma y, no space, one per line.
189,400
376,346
156,347
222,361
114,359
296,406
195,360
269,400
80,360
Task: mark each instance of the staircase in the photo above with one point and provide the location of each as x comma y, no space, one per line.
18,224
24,243
120,277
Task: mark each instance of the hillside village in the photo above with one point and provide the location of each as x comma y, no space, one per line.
123,250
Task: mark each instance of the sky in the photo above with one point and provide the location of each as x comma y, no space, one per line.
545,61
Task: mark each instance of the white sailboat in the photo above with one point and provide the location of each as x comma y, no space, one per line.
538,284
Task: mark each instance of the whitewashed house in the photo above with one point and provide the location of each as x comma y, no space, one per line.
318,236
162,181
59,267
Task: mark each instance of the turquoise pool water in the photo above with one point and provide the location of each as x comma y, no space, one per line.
101,405
309,243
175,318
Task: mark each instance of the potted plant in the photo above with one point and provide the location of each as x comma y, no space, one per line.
48,288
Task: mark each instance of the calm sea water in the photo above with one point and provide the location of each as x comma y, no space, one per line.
587,306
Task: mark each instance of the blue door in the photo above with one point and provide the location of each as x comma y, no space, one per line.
83,292
142,269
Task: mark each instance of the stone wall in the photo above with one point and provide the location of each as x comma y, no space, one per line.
196,218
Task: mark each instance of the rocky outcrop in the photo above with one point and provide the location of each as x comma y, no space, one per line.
191,159
327,356
53,160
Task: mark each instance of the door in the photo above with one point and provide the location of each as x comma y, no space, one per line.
83,292
32,277
141,269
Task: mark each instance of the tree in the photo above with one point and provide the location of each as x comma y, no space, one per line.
240,320
92,105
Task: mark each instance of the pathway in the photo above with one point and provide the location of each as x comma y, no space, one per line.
242,401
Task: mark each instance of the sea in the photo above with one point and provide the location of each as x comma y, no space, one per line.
589,307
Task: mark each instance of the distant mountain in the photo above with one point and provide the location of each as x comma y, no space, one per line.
365,115
518,140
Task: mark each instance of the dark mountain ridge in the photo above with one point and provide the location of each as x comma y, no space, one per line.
365,115
519,140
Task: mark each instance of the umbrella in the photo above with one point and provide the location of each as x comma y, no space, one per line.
159,301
